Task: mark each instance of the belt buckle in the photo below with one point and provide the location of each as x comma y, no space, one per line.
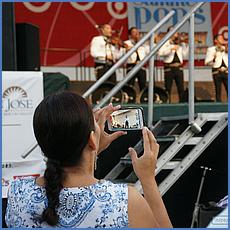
222,69
177,64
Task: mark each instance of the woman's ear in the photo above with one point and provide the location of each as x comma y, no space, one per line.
92,141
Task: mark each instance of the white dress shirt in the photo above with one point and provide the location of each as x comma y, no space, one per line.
100,48
213,53
142,51
168,54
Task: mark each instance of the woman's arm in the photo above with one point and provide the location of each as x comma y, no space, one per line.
144,168
139,212
153,198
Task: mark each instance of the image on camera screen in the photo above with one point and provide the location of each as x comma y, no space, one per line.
126,119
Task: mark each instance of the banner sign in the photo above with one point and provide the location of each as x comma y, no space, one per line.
145,15
66,28
21,93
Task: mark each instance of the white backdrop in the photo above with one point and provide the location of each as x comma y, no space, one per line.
21,93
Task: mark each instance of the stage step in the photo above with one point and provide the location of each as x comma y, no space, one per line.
177,152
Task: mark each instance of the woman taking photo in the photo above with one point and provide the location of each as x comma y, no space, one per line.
71,136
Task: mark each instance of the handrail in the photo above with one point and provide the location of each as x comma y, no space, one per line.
152,52
151,85
127,55
191,71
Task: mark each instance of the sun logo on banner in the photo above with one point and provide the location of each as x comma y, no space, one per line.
15,99
14,92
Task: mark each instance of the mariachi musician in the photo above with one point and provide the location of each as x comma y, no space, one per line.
173,53
105,52
136,57
217,57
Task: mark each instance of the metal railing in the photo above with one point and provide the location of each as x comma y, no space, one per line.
127,55
151,85
189,16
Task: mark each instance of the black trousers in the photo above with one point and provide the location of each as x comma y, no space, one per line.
176,74
101,69
140,75
219,78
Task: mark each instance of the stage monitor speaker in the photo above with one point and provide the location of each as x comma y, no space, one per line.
28,47
9,60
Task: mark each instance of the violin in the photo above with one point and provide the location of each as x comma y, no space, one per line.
116,41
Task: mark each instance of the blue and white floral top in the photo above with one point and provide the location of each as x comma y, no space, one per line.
97,206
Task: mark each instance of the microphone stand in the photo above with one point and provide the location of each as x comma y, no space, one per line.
196,208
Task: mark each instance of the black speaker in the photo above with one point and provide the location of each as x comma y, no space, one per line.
9,60
28,47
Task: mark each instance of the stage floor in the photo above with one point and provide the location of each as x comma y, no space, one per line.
181,109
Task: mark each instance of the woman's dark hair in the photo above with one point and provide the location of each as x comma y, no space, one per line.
62,124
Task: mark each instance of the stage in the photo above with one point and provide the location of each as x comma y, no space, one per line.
181,109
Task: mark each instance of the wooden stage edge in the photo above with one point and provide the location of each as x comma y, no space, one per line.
181,109
203,89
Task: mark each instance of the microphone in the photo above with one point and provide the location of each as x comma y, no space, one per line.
207,168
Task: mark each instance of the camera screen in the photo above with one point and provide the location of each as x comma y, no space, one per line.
126,119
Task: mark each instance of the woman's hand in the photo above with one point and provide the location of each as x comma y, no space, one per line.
101,116
144,168
145,165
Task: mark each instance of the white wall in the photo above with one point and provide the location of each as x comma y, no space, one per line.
87,73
